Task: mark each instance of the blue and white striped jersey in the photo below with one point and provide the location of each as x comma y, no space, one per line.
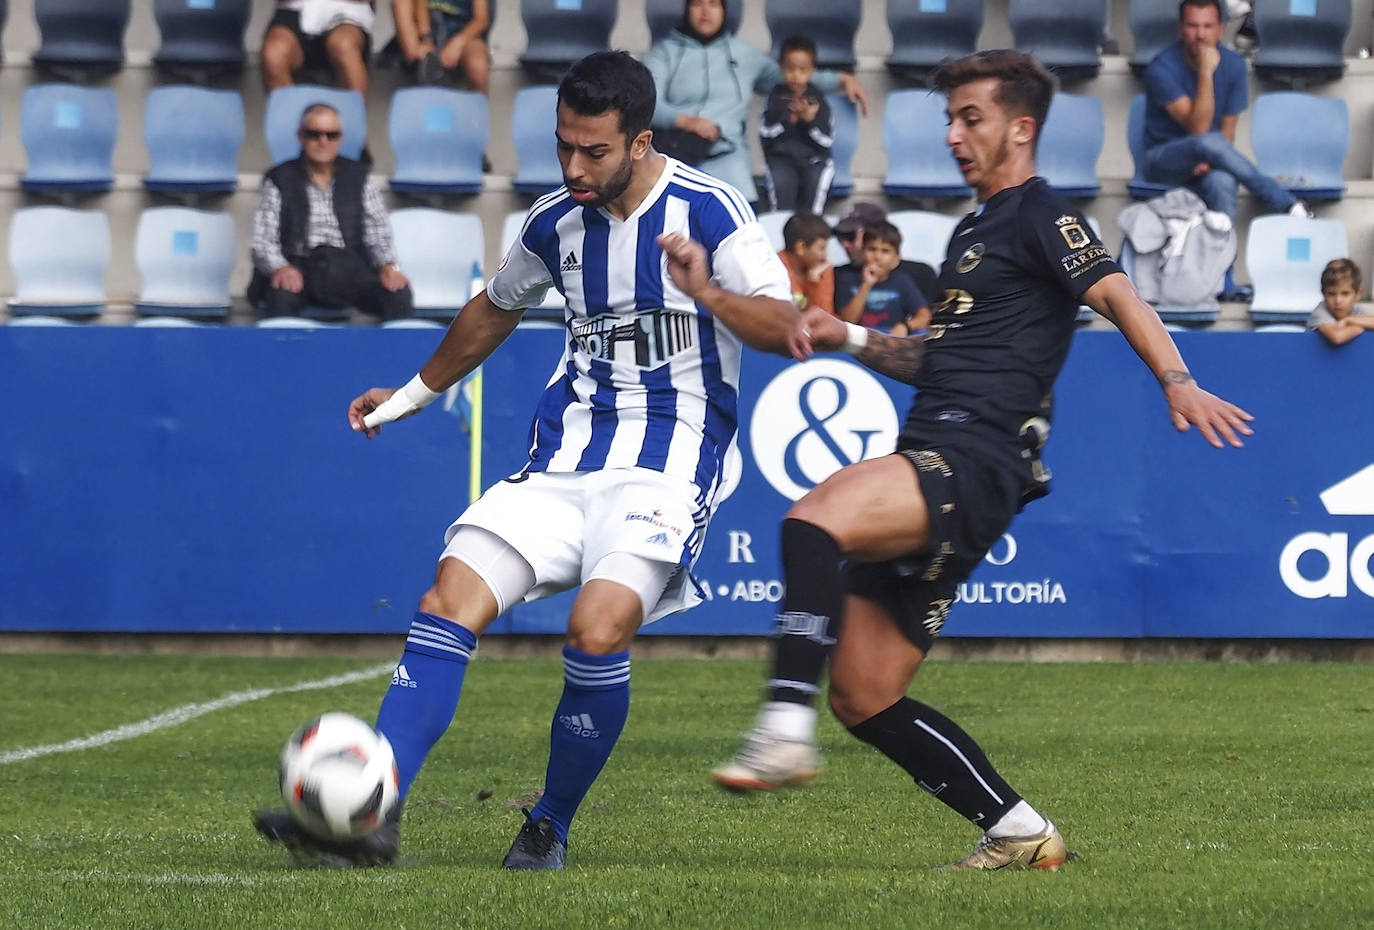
647,377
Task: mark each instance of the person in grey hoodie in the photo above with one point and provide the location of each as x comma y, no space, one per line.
707,79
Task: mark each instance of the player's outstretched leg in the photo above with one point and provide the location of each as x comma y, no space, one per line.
781,749
376,849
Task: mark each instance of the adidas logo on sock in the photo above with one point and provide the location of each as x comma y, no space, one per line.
580,725
402,678
570,263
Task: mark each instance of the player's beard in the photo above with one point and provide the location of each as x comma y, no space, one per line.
616,185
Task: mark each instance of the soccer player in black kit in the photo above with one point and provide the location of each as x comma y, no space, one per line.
912,525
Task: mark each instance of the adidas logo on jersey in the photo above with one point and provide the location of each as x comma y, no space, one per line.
580,725
570,263
658,539
402,678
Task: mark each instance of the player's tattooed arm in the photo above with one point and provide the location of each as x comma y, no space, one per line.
1174,376
898,357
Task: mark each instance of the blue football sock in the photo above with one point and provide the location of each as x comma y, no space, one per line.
423,696
586,725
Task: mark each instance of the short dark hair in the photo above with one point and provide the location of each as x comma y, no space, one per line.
314,107
605,81
1024,86
1215,4
804,227
797,44
883,231
1341,269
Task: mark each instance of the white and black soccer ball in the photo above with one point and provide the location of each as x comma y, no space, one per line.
338,776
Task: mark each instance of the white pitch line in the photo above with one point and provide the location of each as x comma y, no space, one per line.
179,715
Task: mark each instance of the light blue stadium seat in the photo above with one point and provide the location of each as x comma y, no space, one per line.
59,257
1285,256
1170,313
1063,34
918,161
81,35
167,322
184,260
1070,143
1154,25
559,32
844,119
295,322
201,36
438,135
1301,42
1281,328
283,118
69,136
193,135
533,121
664,15
831,25
39,319
925,235
406,322
926,32
1135,139
441,253
1301,140
551,307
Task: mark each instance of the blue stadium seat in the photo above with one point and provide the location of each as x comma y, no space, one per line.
844,118
1154,24
1301,42
559,32
69,136
551,308
81,35
1138,187
918,162
1063,34
926,32
925,235
283,118
201,36
1070,144
1285,256
533,118
184,260
441,253
193,135
664,15
1307,163
831,25
438,135
59,257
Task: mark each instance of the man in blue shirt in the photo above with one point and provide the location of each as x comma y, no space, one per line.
1194,92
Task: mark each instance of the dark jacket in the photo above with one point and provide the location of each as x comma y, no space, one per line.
291,178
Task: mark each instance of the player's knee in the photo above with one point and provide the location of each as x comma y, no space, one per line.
597,640
435,602
854,698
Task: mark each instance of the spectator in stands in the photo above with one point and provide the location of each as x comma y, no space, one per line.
796,134
1339,318
321,233
1195,92
885,298
333,35
414,41
804,238
706,79
850,231
456,32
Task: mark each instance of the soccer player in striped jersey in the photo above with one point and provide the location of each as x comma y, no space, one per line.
667,274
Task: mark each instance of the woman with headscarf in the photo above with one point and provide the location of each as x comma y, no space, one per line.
707,79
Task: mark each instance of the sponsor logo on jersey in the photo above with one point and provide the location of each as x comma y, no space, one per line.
1072,231
970,259
570,263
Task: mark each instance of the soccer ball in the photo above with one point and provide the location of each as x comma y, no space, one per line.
338,776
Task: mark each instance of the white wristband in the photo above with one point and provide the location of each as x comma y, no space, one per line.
856,337
414,396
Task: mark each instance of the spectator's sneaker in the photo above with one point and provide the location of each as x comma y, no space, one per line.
428,70
536,848
1300,211
377,848
766,763
1042,851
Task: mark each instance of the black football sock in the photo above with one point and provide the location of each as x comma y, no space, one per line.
810,617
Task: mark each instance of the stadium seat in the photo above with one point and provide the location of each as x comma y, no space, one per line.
167,322
1170,313
1281,328
1307,163
925,235
831,25
664,15
1138,187
193,135
69,136
1301,42
533,118
918,162
926,32
184,260
40,319
81,35
552,305
201,37
295,322
441,253
411,323
559,32
1154,25
1070,144
773,222
283,118
1285,256
844,118
59,257
438,135
1063,34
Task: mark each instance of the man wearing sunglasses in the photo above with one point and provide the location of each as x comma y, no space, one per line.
321,235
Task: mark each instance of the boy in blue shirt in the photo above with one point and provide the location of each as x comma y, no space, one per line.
883,297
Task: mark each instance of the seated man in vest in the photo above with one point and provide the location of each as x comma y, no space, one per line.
321,234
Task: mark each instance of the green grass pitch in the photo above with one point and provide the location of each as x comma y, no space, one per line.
1198,795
